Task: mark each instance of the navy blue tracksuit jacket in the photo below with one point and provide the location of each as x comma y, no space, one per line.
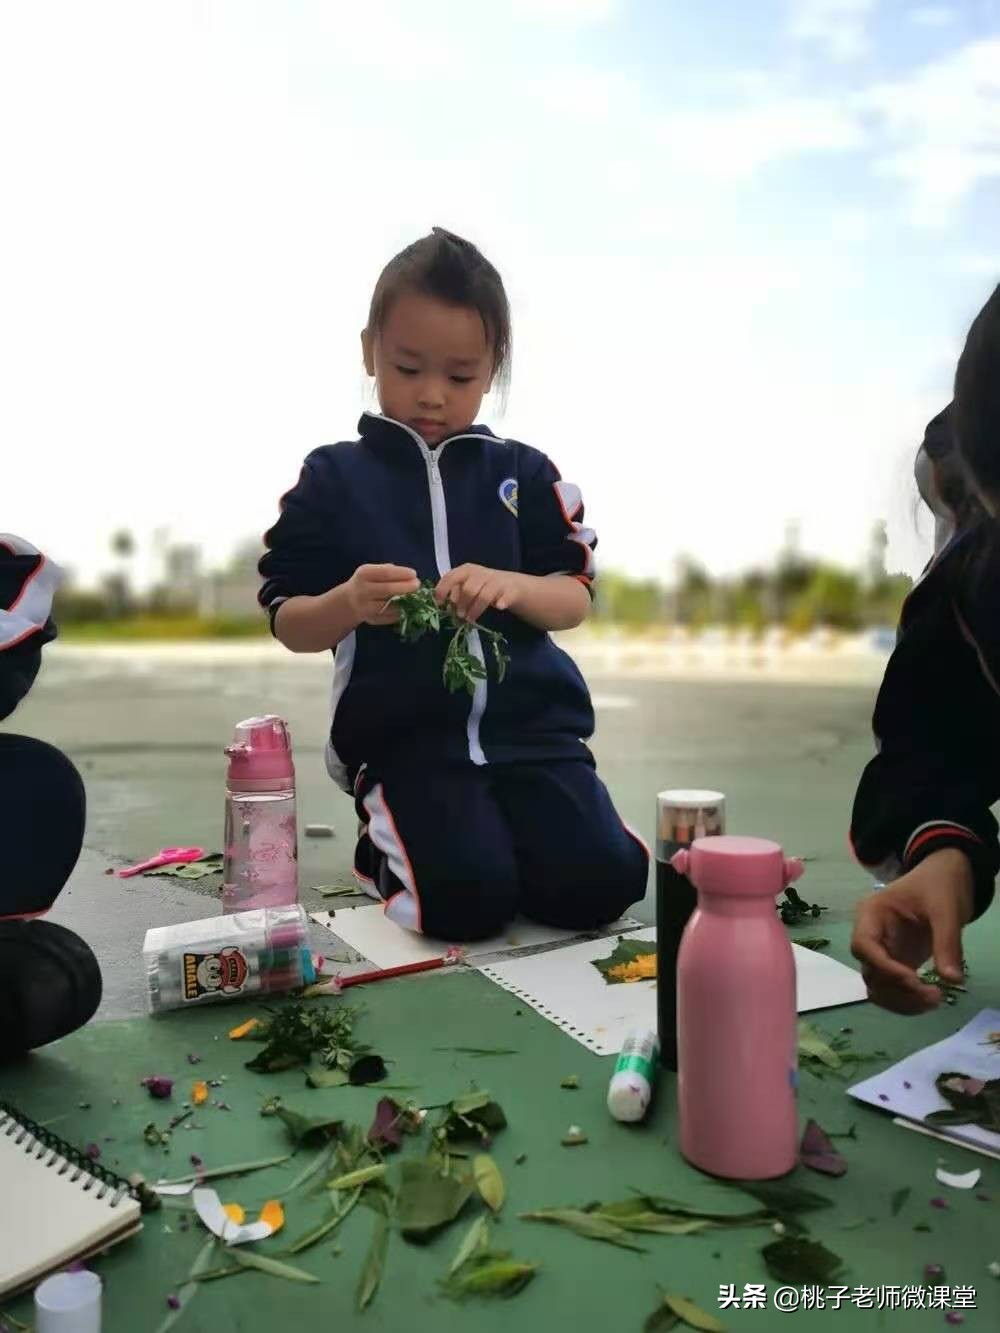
388,498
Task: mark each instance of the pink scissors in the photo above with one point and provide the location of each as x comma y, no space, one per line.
167,856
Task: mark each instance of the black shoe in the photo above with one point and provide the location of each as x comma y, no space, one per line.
50,985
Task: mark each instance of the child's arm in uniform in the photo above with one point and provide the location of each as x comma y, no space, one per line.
313,598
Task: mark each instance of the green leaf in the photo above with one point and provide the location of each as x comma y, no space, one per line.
428,1200
590,1225
321,1077
811,942
785,1202
250,1259
813,1046
324,1228
337,890
202,1263
363,1176
799,1261
692,1315
236,1169
571,1082
473,1116
371,1273
478,1050
475,1241
308,1129
489,1181
899,1199
660,1320
490,1274
626,951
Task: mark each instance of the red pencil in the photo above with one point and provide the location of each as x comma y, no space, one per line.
428,965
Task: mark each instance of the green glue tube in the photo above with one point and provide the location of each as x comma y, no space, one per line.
631,1087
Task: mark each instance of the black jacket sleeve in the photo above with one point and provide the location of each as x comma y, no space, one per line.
304,556
938,773
554,538
27,585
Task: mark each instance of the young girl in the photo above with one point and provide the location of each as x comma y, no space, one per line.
472,809
922,812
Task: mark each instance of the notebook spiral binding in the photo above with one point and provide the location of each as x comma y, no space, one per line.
51,1151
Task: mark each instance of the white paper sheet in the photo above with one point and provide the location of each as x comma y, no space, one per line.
943,1138
965,1052
369,931
568,991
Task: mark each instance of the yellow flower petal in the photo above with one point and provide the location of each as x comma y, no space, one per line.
244,1029
199,1094
273,1214
235,1213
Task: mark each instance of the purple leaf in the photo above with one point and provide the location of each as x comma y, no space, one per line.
158,1086
818,1153
92,1151
938,1203
954,1318
173,1302
386,1130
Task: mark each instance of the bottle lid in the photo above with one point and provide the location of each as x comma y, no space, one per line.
737,867
261,752
683,815
69,1303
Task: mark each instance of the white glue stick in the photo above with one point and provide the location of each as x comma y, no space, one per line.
631,1087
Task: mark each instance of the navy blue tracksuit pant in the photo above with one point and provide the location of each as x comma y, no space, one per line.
457,850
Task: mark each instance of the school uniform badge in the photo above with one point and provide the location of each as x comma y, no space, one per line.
508,494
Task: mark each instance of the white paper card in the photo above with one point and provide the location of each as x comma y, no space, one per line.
907,1088
370,932
568,991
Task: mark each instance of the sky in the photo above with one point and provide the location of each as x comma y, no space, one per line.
743,244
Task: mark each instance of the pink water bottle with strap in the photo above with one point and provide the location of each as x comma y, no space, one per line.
736,1017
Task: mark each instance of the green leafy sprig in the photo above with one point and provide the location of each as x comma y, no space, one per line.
420,614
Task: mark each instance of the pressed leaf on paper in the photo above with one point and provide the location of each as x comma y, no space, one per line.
371,1273
631,960
489,1181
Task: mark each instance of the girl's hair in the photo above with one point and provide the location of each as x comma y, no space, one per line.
976,409
453,270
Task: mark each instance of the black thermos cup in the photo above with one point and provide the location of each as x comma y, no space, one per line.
681,818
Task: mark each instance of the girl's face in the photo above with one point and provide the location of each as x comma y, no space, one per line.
432,365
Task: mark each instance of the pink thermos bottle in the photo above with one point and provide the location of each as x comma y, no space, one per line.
261,840
736,1018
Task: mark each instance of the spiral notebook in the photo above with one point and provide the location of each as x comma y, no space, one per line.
56,1205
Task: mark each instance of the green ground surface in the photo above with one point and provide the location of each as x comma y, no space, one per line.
148,739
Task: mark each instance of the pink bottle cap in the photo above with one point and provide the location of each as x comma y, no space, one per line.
737,867
261,753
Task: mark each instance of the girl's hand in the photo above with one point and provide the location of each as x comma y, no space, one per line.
898,928
473,589
370,587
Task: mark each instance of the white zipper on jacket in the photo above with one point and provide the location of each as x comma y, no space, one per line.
442,558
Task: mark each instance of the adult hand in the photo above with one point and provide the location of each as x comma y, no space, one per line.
473,589
920,916
371,587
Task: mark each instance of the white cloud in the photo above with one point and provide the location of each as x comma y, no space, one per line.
839,27
979,266
738,141
941,127
933,16
568,11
